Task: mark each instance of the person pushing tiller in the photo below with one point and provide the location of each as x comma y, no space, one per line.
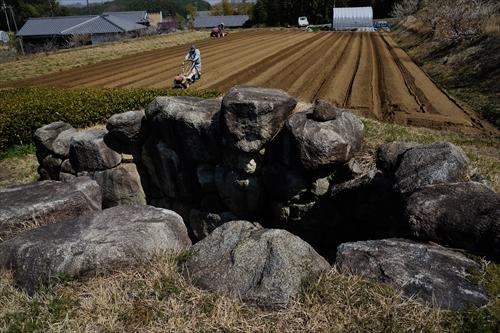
191,69
218,31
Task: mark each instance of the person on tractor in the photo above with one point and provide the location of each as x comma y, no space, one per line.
194,56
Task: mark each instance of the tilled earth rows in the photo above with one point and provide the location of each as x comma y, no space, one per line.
366,72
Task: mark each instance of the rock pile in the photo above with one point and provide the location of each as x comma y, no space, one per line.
65,153
249,157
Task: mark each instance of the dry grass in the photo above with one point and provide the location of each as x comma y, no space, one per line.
156,298
18,170
39,64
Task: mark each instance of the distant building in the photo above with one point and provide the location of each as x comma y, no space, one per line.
139,17
349,18
60,29
230,21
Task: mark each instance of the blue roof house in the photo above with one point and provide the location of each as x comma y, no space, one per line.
100,28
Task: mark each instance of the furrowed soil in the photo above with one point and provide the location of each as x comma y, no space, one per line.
365,72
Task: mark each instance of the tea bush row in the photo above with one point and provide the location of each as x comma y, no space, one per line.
24,110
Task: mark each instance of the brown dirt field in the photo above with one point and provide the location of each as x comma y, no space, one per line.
365,72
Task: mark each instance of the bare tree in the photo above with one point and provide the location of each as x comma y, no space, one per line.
450,20
462,19
405,8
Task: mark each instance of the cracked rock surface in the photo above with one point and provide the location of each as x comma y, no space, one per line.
432,274
261,266
123,235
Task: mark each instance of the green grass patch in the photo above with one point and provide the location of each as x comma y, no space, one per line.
18,151
24,110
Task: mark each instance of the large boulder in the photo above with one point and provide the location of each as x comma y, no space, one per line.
89,152
431,274
252,116
114,237
120,185
62,142
168,165
126,126
462,215
126,130
241,193
187,124
437,163
318,144
262,266
32,205
44,137
389,154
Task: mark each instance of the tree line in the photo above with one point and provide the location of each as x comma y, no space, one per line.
278,12
23,9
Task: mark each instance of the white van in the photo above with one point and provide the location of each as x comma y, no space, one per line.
303,22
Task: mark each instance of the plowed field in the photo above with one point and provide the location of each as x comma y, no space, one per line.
366,72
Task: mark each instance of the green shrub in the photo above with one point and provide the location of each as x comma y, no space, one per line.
24,110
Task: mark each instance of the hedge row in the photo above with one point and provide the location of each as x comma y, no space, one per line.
24,110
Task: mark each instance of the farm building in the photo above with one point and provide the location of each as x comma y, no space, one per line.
61,29
230,21
348,18
139,17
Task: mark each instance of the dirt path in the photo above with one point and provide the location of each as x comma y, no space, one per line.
365,72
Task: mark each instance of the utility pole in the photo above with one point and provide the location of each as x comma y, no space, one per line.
88,7
15,26
4,8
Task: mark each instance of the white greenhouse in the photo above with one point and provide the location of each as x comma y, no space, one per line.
348,18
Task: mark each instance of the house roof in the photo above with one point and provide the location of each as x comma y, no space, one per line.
212,21
71,25
140,16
